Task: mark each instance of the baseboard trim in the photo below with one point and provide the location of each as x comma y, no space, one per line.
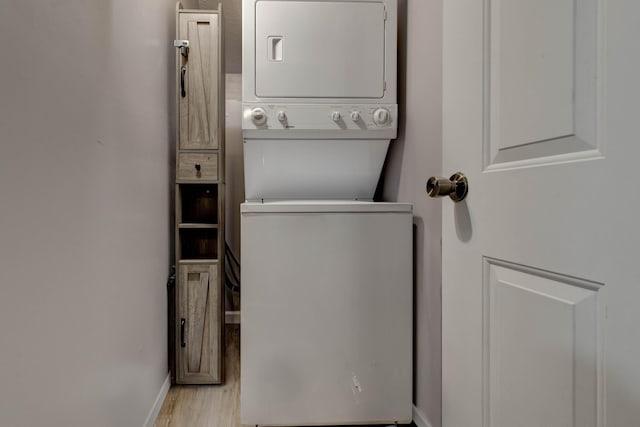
419,418
155,409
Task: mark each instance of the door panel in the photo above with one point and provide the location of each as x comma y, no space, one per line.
540,347
199,107
532,51
292,60
543,80
199,324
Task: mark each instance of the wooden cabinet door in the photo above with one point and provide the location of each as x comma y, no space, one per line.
199,76
198,324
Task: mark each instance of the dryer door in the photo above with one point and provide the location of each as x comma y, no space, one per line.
319,49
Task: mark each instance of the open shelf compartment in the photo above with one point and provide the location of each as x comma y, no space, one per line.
199,205
198,244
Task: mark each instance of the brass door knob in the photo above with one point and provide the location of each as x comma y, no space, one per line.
456,187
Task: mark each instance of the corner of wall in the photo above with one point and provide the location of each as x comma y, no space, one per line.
157,404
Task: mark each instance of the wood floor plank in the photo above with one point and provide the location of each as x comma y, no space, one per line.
207,406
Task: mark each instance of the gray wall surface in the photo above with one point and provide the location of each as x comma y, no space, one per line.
232,12
413,157
86,127
234,168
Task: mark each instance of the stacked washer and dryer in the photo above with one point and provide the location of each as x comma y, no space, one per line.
326,308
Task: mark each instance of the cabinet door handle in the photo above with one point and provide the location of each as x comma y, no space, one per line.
182,342
183,71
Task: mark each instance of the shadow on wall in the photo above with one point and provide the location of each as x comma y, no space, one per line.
412,158
389,182
462,220
418,248
232,11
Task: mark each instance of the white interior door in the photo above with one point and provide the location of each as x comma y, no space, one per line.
541,296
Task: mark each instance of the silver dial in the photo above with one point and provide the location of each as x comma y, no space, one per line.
355,116
282,116
258,116
336,116
382,117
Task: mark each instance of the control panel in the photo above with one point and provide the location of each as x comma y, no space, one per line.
378,118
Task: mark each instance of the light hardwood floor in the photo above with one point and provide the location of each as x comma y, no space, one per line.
208,406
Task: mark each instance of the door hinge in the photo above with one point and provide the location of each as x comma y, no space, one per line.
171,281
183,45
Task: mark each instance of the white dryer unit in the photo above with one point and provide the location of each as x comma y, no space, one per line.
319,83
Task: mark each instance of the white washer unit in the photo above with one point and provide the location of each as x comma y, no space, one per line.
326,307
326,313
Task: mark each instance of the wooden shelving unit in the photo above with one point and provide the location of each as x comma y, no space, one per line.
199,202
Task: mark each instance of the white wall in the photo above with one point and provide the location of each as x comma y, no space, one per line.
234,168
413,157
86,131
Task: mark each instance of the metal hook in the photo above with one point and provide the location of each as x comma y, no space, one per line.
184,47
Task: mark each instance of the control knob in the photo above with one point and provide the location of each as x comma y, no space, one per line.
336,116
381,117
355,116
282,116
258,116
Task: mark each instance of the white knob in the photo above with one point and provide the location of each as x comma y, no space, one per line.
259,116
336,116
382,117
282,116
355,116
